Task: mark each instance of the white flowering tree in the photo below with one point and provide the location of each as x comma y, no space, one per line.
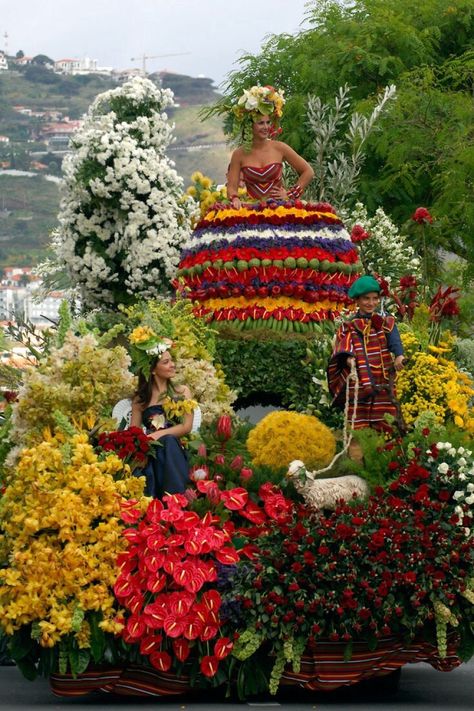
386,251
123,216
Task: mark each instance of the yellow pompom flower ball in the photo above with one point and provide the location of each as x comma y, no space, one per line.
283,436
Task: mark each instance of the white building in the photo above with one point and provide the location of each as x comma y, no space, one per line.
80,66
11,301
3,62
44,312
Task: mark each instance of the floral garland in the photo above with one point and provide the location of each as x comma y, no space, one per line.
123,217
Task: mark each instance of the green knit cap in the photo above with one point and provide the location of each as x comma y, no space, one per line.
363,285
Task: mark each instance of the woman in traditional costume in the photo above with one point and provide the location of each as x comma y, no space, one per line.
267,259
167,471
372,343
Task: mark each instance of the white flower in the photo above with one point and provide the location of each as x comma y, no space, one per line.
462,462
443,468
452,452
469,499
458,495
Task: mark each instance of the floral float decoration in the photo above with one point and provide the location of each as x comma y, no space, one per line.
280,266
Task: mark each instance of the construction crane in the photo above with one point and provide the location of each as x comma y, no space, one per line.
143,57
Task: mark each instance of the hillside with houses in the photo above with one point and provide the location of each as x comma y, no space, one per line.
42,102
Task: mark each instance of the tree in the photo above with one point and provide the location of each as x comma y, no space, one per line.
425,153
43,60
123,218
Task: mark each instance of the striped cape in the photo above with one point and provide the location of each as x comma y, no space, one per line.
366,340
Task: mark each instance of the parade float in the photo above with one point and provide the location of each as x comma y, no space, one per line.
247,582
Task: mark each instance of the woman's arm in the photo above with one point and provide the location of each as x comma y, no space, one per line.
185,426
233,176
302,167
136,420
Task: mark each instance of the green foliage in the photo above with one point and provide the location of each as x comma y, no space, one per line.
374,467
424,154
265,371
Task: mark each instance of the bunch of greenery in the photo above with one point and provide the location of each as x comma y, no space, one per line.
266,371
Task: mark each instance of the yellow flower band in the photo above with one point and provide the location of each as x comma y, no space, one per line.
270,304
279,211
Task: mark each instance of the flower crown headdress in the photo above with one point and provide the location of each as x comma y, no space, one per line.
256,102
145,345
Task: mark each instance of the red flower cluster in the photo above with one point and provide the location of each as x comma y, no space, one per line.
256,312
164,581
131,445
445,303
422,216
313,215
358,234
367,571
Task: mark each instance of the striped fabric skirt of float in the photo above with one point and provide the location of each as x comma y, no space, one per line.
322,669
268,265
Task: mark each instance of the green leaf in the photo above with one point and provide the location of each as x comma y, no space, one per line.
21,643
27,668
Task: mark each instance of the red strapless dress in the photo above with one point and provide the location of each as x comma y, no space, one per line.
260,181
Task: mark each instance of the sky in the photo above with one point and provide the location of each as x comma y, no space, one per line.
209,35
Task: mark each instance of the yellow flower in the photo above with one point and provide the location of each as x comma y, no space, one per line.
197,176
141,334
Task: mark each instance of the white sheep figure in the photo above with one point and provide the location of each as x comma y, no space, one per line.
325,493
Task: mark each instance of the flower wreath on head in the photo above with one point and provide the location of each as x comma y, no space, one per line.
145,345
254,103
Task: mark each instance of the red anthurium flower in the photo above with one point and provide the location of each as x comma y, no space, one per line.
135,626
192,627
155,582
209,665
208,632
132,535
181,648
161,661
123,588
181,604
189,520
250,551
223,647
227,556
253,513
235,499
211,600
154,561
207,487
135,603
173,626
129,512
150,643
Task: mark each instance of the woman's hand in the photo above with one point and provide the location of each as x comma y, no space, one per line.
157,434
236,203
278,193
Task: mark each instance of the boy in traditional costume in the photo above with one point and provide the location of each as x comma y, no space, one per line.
373,344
